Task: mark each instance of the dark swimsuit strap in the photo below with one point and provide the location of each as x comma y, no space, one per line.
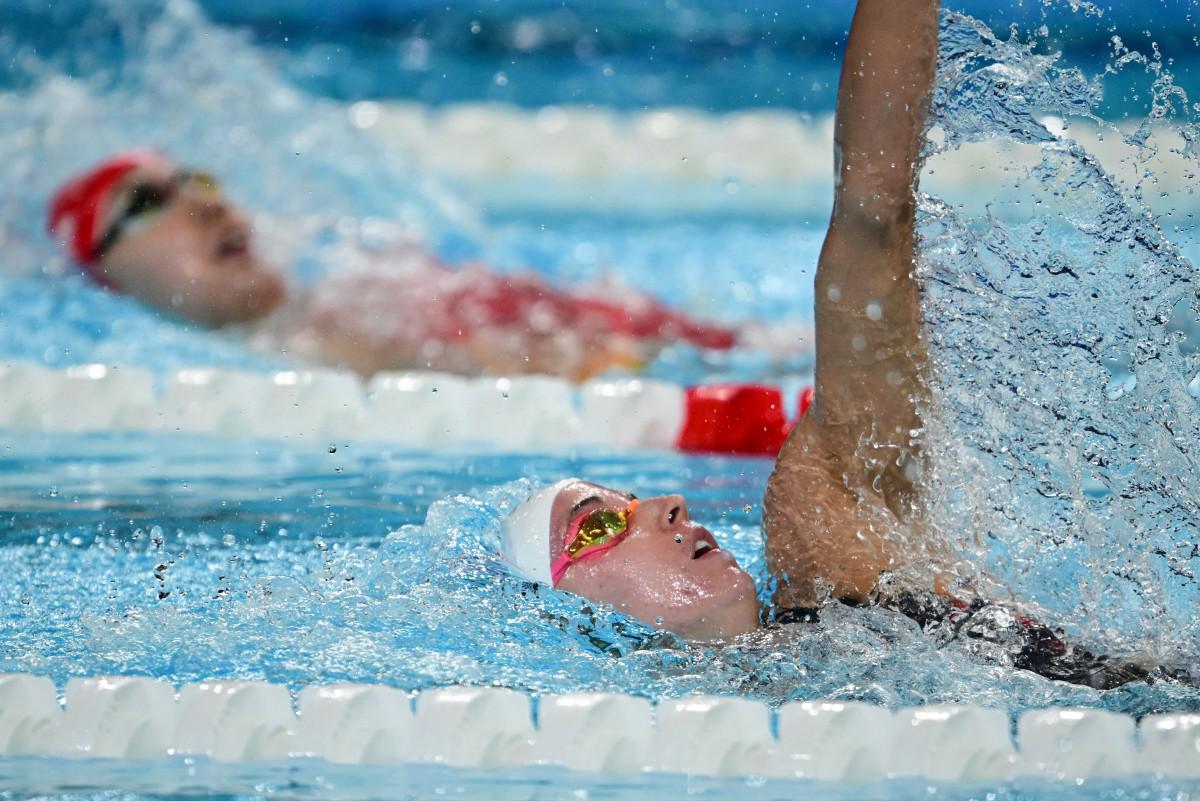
1032,646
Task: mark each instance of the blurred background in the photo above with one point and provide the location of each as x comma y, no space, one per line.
588,141
715,55
682,148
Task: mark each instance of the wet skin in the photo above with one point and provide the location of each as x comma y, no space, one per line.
667,571
194,259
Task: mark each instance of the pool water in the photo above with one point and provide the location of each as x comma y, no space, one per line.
1060,315
311,779
302,565
351,563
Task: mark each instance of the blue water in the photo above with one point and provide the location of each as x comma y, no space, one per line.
300,565
710,54
308,779
314,780
1063,427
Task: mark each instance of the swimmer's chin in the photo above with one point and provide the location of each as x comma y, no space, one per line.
260,295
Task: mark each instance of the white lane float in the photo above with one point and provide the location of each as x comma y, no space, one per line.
1074,744
825,740
124,718
355,724
234,721
708,735
29,715
117,717
413,409
594,732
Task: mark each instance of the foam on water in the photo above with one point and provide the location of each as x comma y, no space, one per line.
206,96
268,562
304,566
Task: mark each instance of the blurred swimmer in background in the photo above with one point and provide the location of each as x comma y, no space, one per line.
140,224
843,515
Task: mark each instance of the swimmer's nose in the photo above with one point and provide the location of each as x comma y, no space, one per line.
666,512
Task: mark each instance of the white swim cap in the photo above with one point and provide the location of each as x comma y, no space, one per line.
526,540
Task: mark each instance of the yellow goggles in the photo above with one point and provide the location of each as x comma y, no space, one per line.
597,531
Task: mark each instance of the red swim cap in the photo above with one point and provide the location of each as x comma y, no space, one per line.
77,211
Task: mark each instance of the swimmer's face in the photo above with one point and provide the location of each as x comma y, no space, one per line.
190,254
667,570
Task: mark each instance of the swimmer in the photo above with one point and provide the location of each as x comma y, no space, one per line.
142,225
843,515
647,558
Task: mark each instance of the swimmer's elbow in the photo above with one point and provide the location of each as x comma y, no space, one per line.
883,218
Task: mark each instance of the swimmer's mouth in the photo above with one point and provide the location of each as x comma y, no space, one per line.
703,545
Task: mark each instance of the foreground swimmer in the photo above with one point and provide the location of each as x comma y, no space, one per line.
647,558
142,225
843,509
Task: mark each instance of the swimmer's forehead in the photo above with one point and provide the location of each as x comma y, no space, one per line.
579,495
156,172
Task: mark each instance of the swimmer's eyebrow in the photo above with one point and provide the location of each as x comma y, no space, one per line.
591,499
582,503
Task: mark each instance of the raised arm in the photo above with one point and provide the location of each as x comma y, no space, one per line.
837,506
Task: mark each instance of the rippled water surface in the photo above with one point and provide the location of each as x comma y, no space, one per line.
303,780
301,565
1064,422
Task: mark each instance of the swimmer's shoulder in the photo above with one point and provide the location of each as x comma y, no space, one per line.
824,536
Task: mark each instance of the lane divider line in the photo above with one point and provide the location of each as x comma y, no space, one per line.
132,717
416,409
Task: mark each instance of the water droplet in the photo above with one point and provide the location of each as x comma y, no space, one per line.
679,538
874,311
834,293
